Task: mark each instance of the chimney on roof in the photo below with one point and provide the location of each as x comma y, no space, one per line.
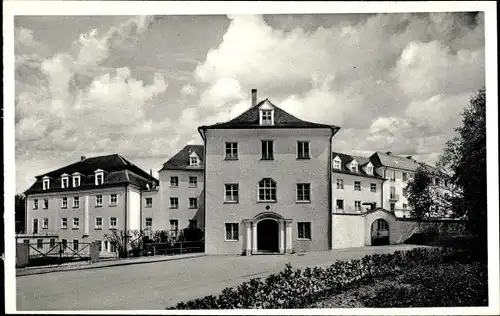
150,172
82,158
389,153
254,97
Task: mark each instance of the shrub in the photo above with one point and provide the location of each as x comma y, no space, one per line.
298,288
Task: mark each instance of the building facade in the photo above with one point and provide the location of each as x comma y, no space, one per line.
267,183
82,202
181,190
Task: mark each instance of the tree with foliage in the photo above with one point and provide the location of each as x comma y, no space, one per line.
20,213
419,194
465,158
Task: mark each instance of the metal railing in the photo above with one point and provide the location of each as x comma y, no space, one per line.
179,247
50,253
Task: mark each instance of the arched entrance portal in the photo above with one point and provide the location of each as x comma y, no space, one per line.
268,235
380,232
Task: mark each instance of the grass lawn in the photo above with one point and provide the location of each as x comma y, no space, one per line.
445,285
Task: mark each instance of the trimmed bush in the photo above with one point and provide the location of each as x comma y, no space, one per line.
298,288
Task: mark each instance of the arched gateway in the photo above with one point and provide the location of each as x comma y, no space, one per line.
268,232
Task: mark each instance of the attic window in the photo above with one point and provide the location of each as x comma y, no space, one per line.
193,161
354,166
336,163
46,183
369,170
267,117
64,181
99,177
76,180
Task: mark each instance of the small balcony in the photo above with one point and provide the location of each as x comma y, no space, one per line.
394,197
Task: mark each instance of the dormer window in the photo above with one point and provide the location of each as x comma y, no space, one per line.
64,181
354,166
99,177
76,180
336,163
266,114
369,170
46,183
194,161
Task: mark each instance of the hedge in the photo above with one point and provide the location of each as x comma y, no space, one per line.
298,288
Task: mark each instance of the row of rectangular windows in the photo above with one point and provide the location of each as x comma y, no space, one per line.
193,182
232,231
113,201
174,202
357,185
76,244
76,223
99,180
267,150
357,205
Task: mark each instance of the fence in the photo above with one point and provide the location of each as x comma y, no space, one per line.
47,253
173,248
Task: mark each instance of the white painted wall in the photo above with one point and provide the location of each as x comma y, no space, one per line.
348,231
133,209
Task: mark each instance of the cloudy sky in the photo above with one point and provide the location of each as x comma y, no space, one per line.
140,86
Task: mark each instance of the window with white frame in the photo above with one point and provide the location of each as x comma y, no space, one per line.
357,185
267,190
193,161
65,182
267,150
52,242
64,202
405,176
304,230
45,203
35,204
336,163
75,244
340,204
231,193
45,223
46,183
340,184
64,223
99,177
354,166
193,182
39,243
193,202
76,181
174,202
373,187
112,222
232,231
231,151
76,201
149,222
98,222
303,150
392,176
113,199
369,170
76,222
174,182
149,202
303,192
393,206
98,200
267,117
357,205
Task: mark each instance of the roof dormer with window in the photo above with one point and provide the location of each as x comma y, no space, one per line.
77,179
194,160
354,166
266,114
369,169
99,177
64,181
46,183
337,163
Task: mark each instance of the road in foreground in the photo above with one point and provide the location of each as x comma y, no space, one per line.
155,286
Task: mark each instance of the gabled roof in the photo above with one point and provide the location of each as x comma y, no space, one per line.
180,161
118,171
346,160
380,159
282,119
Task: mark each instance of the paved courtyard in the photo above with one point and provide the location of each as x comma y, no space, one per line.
157,285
